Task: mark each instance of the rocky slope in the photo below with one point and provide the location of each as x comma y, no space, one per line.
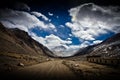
17,47
17,41
108,48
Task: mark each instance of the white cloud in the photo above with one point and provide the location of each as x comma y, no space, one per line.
10,25
70,35
50,14
53,40
90,20
38,14
56,44
84,44
71,50
97,41
50,41
69,39
79,32
22,20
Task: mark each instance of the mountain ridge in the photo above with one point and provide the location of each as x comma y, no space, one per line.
21,40
108,48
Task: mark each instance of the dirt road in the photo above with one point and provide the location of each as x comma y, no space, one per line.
51,70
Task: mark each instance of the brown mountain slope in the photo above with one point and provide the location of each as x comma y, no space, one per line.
17,41
17,46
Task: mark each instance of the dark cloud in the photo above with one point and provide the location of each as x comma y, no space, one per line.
21,6
59,3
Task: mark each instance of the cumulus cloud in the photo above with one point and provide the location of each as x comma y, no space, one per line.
38,14
56,44
22,20
53,41
79,32
21,6
90,21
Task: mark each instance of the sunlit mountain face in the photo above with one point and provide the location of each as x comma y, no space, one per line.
64,26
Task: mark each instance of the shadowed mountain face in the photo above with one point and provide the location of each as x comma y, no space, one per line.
114,38
17,41
108,48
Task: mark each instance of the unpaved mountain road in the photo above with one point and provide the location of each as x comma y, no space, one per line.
51,70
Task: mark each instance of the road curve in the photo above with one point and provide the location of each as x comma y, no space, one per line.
51,70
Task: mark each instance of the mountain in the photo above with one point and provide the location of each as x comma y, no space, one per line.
111,39
108,48
84,50
17,46
18,41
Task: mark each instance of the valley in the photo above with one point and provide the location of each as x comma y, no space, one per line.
23,58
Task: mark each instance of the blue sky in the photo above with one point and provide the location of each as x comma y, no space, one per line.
60,17
64,30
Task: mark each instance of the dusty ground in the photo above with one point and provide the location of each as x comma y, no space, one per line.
57,69
51,70
10,61
92,71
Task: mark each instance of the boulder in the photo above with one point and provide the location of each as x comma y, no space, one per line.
21,64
